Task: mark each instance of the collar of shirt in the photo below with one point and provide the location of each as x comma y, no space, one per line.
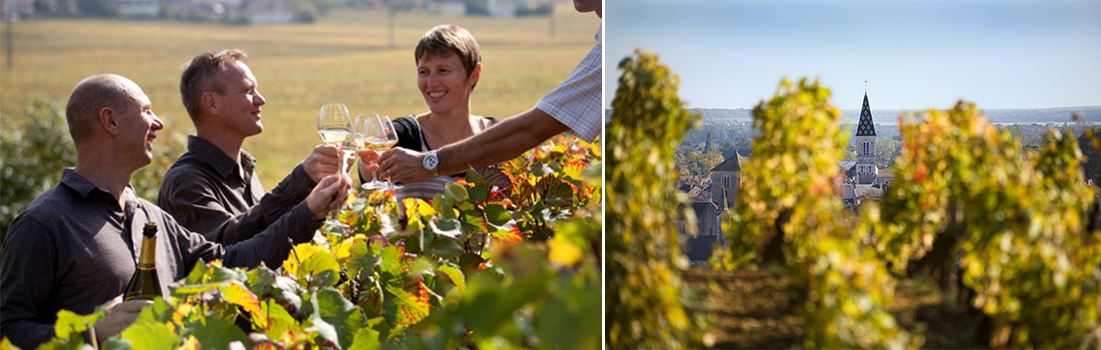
84,188
78,183
87,190
222,163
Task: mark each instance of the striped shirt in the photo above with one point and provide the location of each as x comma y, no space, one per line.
576,102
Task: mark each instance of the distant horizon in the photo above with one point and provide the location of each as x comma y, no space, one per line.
916,54
889,116
608,108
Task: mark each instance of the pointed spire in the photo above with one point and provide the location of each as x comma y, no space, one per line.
866,126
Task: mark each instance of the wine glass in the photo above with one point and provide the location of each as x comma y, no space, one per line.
334,125
384,138
367,130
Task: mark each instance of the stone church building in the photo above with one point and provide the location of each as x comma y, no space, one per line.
724,189
867,182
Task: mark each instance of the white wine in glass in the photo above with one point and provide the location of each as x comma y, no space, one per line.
334,125
383,139
367,130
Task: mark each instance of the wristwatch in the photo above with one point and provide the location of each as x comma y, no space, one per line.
432,164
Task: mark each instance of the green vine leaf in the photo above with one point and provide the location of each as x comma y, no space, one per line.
341,314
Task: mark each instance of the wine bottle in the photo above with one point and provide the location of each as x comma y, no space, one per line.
145,285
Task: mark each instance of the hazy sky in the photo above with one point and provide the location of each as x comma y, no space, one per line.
914,55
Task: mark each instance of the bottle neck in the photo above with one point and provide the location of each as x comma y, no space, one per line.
148,258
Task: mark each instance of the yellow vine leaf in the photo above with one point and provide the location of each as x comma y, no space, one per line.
563,252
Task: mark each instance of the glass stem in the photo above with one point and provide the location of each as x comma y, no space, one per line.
344,162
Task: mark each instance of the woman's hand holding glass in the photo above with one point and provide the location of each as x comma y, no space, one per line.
376,134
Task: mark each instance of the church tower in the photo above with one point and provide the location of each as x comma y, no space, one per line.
866,170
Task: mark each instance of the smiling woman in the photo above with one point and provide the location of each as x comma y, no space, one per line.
448,66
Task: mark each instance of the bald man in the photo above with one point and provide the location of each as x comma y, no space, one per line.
76,246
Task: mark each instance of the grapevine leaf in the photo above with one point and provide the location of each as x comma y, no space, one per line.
414,205
561,323
324,329
508,236
213,272
495,177
423,209
540,169
342,250
473,222
444,246
360,258
456,192
160,311
446,227
116,343
341,314
70,324
221,274
261,281
191,343
193,289
279,320
453,273
366,339
410,303
392,262
317,263
563,251
147,333
470,261
497,214
298,255
216,333
558,193
237,294
574,169
478,193
418,268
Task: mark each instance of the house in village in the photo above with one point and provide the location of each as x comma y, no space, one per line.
709,207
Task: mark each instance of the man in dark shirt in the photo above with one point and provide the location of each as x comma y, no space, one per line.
76,245
213,188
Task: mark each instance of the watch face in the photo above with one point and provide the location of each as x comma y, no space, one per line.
431,162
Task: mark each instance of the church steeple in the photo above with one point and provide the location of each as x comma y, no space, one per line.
866,126
867,171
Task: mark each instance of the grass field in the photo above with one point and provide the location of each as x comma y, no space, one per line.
342,58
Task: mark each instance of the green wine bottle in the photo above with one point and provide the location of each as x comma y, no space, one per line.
145,285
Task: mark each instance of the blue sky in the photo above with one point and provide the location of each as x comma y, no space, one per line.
914,54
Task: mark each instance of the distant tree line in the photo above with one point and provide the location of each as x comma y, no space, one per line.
732,138
1032,139
306,11
721,115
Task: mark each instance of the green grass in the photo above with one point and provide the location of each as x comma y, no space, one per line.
342,58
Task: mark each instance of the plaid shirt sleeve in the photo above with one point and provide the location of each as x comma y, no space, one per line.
576,102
